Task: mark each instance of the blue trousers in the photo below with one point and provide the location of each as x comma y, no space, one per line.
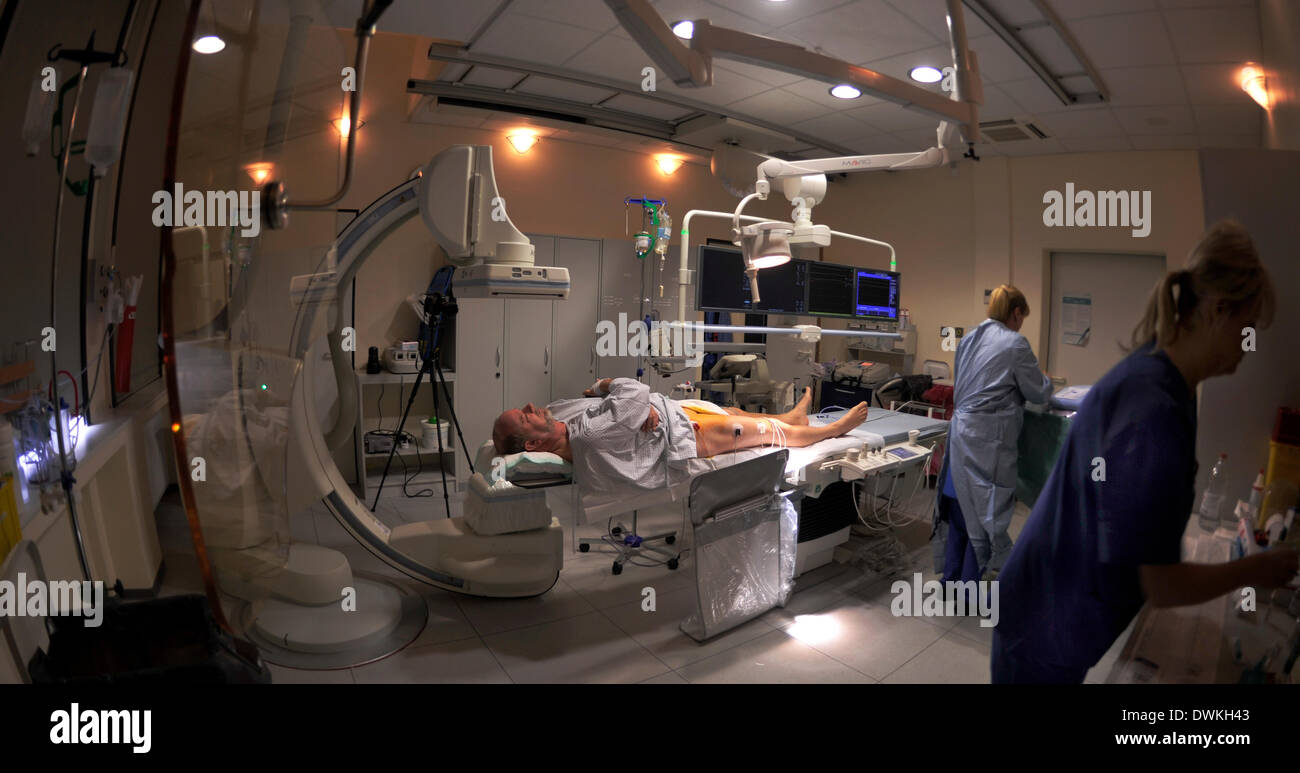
1010,664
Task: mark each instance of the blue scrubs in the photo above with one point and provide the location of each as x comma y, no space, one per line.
1072,583
996,373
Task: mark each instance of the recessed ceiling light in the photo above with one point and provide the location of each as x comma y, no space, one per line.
845,91
684,29
926,74
209,44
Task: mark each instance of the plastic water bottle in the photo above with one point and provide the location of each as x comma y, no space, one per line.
1210,513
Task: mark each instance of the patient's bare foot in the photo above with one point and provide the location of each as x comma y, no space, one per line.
851,419
799,414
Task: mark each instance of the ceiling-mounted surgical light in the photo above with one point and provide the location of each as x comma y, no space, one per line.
668,163
684,29
764,245
1255,84
845,91
926,74
522,141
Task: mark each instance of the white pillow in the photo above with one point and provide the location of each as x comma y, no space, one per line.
534,464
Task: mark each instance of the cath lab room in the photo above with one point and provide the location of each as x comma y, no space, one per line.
650,341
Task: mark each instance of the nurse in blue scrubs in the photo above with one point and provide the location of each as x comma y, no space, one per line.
1105,535
996,373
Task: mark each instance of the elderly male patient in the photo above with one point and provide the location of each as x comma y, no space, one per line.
625,435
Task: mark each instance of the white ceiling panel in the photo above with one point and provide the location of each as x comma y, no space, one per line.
1203,3
1068,124
1228,119
998,63
1166,142
1079,9
492,77
1215,34
775,15
537,40
445,19
998,105
615,59
1124,40
1169,119
1033,95
835,127
863,31
778,106
649,107
1012,12
568,90
1133,86
1030,147
587,14
885,143
918,139
888,117
1096,144
932,15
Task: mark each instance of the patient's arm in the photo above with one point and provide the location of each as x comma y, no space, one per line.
602,385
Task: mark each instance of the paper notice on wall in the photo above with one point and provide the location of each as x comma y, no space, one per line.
1076,318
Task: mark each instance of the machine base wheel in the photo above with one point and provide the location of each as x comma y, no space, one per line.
670,539
584,548
672,563
618,568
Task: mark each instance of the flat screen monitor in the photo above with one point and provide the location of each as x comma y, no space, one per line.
801,287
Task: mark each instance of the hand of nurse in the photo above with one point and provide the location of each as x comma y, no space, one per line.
1276,567
651,421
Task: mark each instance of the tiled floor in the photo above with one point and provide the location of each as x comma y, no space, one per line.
593,627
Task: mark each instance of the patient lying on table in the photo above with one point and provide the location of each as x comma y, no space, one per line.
631,437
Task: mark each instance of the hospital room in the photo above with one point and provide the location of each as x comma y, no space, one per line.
809,342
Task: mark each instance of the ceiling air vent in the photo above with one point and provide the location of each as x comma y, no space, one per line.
1011,130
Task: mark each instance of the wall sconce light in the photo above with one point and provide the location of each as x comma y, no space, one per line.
206,39
1254,84
668,163
522,141
343,125
260,171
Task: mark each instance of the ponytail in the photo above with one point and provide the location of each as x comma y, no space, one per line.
1004,300
1223,267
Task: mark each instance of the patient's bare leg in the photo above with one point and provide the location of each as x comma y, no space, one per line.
717,433
797,415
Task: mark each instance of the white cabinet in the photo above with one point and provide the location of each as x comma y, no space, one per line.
528,340
512,352
573,352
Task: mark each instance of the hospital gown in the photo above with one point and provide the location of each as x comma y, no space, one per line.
996,373
609,449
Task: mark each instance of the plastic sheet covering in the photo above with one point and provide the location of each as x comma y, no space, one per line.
241,367
745,537
504,508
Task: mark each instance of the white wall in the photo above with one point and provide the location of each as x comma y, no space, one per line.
1237,412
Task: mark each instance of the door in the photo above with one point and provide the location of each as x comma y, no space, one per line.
479,388
1097,299
574,339
528,339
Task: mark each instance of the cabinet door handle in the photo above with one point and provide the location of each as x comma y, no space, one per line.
498,357
546,356
593,356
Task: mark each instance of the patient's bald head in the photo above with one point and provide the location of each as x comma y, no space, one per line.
527,429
